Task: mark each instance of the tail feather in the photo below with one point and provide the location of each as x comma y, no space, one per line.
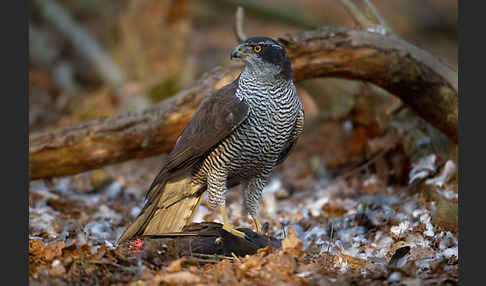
170,210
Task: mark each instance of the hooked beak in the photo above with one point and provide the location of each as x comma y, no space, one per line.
240,52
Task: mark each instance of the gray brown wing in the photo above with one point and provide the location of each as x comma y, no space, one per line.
215,119
217,116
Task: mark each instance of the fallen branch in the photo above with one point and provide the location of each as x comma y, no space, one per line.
104,141
423,82
428,86
379,19
358,16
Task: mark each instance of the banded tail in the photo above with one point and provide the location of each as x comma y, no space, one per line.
170,210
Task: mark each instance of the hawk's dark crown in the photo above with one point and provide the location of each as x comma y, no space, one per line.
272,52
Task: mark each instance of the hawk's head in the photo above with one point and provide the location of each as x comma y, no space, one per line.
264,56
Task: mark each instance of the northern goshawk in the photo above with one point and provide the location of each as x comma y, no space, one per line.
237,135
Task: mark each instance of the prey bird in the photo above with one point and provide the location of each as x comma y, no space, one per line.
236,136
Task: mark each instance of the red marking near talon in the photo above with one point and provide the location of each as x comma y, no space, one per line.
137,244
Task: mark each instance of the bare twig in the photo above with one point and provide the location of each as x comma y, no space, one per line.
212,256
106,262
362,167
380,19
375,23
357,15
286,12
238,25
331,237
201,260
235,257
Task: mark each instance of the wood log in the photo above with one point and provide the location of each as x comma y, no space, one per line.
421,81
103,141
424,83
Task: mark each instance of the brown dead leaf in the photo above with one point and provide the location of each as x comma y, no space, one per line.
176,265
57,269
177,278
222,273
265,251
36,247
419,252
353,262
53,250
333,209
250,263
292,244
285,266
41,255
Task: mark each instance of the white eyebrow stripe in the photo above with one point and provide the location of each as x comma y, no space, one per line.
276,46
269,44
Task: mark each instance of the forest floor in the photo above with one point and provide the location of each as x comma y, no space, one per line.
354,225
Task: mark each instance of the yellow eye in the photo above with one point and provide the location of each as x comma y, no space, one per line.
257,49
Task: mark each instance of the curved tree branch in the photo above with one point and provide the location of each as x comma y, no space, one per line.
428,86
424,83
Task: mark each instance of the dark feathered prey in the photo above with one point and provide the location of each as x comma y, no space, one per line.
236,136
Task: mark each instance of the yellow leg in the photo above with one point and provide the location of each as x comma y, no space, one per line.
227,225
258,224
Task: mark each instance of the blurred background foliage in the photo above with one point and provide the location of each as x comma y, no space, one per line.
150,49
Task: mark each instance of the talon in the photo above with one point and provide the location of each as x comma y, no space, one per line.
229,228
227,225
258,225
